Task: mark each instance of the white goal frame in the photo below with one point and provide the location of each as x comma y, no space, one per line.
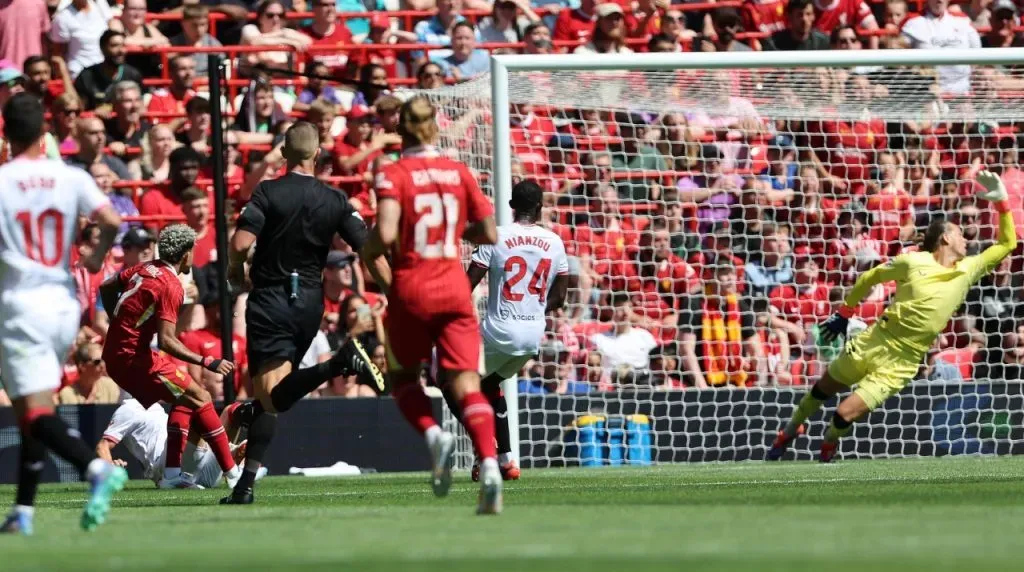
502,65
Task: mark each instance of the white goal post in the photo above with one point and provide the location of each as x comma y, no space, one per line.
890,139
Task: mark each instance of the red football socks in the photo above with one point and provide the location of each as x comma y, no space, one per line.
478,419
177,435
213,433
415,406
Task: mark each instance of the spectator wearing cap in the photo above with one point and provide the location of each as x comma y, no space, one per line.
166,200
137,247
626,350
799,33
610,32
436,29
634,153
773,264
576,24
95,84
206,342
339,280
937,29
128,127
1003,23
355,153
537,39
327,31
93,386
782,170
504,25
270,30
465,61
92,139
23,25
174,98
76,32
195,33
718,335
713,191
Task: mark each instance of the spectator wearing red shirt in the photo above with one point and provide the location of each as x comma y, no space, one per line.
576,25
834,13
355,153
798,306
325,31
166,200
890,205
339,281
175,97
664,274
765,16
530,134
381,34
848,148
207,343
196,206
608,239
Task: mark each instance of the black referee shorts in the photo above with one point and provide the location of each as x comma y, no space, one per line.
280,328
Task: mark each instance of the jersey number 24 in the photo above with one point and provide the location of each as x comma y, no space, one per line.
515,270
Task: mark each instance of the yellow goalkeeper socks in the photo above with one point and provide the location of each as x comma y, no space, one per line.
807,406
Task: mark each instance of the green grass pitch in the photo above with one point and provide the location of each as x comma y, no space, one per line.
963,514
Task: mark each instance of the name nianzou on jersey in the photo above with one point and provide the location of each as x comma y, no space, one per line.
521,267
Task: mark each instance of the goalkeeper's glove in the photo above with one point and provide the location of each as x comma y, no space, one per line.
836,325
995,190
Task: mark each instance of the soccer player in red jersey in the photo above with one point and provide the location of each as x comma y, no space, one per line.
145,301
426,204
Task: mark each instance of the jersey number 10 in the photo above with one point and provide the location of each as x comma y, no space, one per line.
515,271
37,244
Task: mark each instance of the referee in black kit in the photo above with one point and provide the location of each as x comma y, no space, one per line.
292,220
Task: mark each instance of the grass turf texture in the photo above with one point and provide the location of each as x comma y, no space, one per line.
906,515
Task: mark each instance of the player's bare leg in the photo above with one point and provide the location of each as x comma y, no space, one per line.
260,417
478,419
415,406
850,410
42,429
811,402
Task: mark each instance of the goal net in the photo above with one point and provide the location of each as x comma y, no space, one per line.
715,209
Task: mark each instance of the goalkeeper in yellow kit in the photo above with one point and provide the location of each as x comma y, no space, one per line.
930,286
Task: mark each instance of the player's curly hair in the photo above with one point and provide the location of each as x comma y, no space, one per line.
175,241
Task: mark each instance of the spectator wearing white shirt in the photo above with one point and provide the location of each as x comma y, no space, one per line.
625,350
504,26
76,32
938,29
609,32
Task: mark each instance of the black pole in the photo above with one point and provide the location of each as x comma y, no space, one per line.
220,198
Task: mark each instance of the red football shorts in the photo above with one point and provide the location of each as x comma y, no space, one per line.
411,337
151,381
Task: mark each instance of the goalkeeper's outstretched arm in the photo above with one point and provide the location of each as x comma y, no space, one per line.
1006,239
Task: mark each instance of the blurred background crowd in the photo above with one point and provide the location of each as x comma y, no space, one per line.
707,241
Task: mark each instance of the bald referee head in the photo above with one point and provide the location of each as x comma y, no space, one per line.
301,146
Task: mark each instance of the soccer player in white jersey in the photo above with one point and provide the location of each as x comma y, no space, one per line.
144,433
41,201
528,276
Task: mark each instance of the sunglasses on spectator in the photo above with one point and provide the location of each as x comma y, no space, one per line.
12,83
849,41
273,15
673,18
425,75
96,361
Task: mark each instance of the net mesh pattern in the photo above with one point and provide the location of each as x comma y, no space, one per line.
771,190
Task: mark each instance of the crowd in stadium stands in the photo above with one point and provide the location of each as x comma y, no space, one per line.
715,277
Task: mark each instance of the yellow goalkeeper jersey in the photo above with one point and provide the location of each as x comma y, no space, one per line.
927,293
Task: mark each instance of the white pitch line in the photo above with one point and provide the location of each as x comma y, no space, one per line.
648,484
